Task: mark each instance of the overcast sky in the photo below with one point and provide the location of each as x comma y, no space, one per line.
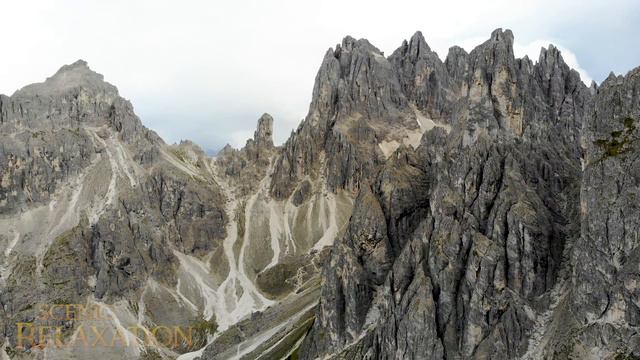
207,70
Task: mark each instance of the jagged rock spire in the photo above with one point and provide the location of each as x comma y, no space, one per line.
263,136
418,45
260,147
421,73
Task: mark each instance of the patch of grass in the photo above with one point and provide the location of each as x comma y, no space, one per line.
208,327
180,154
61,251
200,331
295,355
629,356
629,124
63,240
150,354
620,141
613,147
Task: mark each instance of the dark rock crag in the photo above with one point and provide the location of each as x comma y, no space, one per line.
513,236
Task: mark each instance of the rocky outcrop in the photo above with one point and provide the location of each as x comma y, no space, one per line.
250,164
483,222
483,206
357,102
263,136
481,245
45,138
93,204
424,77
599,317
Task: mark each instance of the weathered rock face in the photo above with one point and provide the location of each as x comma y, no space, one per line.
423,77
600,313
97,210
93,204
247,166
500,243
482,207
480,242
357,103
43,133
264,133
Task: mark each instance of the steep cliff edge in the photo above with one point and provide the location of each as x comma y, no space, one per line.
512,236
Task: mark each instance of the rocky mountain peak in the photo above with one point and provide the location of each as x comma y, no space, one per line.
78,65
351,44
227,149
550,57
552,64
363,81
74,96
422,75
498,50
517,192
263,136
70,78
418,45
259,148
250,163
500,36
613,79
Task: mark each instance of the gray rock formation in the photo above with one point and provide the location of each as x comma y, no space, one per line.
512,236
357,102
599,315
97,211
93,203
483,206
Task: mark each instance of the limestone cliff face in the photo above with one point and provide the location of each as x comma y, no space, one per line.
483,206
601,310
423,77
511,236
249,165
94,205
43,138
97,210
357,103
